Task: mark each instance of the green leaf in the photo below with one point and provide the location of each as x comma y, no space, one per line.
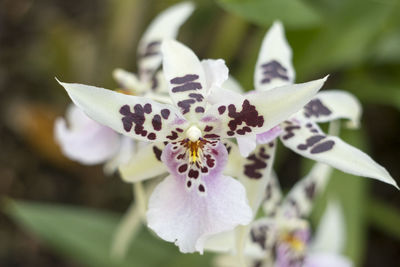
293,13
84,235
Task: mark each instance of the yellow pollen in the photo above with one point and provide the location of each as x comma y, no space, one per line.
125,92
295,243
194,147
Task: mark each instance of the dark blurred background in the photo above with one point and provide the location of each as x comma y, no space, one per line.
357,42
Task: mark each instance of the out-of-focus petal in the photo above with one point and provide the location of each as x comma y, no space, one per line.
129,81
137,117
273,195
186,79
332,105
85,140
274,66
216,72
309,141
299,201
144,165
124,154
330,236
164,26
326,260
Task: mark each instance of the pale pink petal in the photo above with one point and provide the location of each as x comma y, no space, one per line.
269,136
326,260
189,214
84,140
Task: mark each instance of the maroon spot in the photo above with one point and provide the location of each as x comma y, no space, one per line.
156,122
320,148
165,113
230,133
273,70
221,109
311,141
151,136
204,169
179,130
199,110
289,132
198,97
185,79
185,105
152,49
208,128
180,156
193,174
189,184
182,168
202,188
210,161
249,116
258,163
157,152
211,136
173,136
147,108
137,118
310,190
316,108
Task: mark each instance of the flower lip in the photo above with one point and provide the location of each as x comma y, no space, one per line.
193,133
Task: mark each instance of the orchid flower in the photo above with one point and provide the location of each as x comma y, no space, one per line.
88,142
283,238
301,132
196,200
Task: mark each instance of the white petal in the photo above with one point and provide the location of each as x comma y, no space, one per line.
274,64
124,154
299,201
330,236
232,84
256,173
236,115
188,219
85,140
164,26
326,260
246,144
145,164
216,72
133,116
332,105
273,195
186,79
309,141
129,81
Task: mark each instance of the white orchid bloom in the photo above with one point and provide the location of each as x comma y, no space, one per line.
196,200
88,142
301,132
282,238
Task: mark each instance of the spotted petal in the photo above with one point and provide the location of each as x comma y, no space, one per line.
236,115
186,78
133,116
144,165
84,140
332,105
188,215
164,26
309,141
273,195
274,64
299,201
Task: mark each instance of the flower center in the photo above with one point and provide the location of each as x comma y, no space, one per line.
296,243
193,133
